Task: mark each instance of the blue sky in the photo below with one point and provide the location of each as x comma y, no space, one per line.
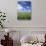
24,6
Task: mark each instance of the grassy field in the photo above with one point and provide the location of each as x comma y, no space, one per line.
24,15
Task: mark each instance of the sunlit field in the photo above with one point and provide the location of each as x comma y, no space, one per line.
24,15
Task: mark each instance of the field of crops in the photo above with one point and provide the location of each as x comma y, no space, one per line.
23,15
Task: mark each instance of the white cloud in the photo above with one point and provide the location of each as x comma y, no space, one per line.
19,7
